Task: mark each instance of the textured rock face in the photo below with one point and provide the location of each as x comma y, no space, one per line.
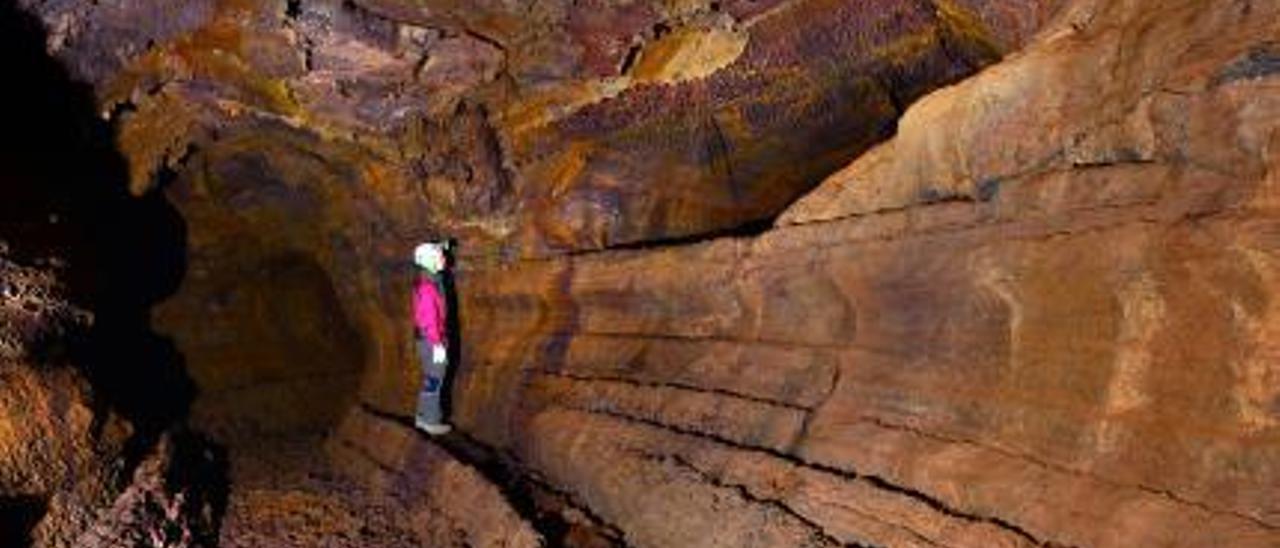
535,127
68,475
1038,314
316,142
51,477
89,456
448,503
267,342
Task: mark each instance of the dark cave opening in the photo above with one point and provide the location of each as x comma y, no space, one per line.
267,342
287,360
66,206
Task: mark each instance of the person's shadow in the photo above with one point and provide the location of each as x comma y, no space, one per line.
64,199
453,329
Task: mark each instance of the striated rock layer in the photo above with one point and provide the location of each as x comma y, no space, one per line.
307,146
445,501
1040,314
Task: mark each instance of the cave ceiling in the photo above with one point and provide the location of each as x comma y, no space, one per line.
523,128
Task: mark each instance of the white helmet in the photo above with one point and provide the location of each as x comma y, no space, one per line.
430,255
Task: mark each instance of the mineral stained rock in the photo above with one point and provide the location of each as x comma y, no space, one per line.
51,476
1039,314
66,476
446,502
310,144
568,125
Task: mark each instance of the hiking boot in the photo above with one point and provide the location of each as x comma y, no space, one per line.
434,429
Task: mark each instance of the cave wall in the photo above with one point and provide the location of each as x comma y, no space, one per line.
76,468
268,327
344,133
52,478
268,344
89,455
1039,314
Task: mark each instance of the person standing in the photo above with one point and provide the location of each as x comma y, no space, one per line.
430,315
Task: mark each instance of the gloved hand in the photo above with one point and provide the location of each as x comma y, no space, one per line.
438,353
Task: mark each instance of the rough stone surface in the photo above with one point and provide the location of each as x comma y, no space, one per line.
287,493
317,142
447,502
1108,85
167,503
66,476
33,311
569,125
1037,315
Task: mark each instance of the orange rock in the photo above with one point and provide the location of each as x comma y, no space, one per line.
1043,308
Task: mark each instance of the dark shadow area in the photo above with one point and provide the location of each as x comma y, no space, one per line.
746,229
273,352
201,473
453,327
64,203
64,197
18,517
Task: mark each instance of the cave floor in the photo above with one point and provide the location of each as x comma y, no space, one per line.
284,494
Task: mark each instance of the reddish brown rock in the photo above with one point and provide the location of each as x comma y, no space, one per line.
1040,314
162,505
610,122
446,502
1004,367
1108,84
667,488
1043,317
725,147
52,478
67,471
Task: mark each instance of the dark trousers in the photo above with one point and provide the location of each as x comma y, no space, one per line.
429,410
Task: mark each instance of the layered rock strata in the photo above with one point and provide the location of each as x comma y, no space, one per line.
447,502
1038,315
311,144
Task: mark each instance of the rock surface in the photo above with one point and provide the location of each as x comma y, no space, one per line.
70,469
1039,314
531,128
52,479
311,144
444,501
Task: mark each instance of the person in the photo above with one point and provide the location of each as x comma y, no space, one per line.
430,315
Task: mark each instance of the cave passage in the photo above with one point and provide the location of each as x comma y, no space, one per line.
267,344
750,273
250,348
253,343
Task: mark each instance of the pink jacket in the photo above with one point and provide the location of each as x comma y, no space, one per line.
429,311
